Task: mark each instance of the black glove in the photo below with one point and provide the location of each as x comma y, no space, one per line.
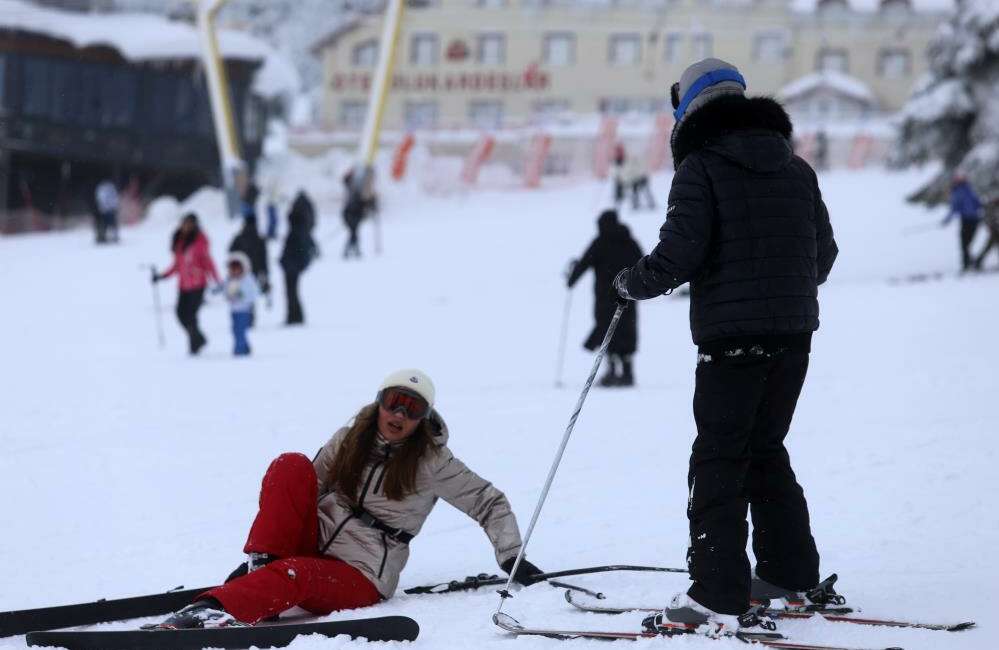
620,286
525,572
155,277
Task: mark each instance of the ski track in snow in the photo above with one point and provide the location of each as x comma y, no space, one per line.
129,470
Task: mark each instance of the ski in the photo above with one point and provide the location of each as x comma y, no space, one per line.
101,611
487,580
386,628
768,639
834,614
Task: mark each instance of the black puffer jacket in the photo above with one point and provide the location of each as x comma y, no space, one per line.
746,226
613,249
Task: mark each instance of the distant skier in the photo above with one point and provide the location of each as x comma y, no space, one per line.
612,250
991,219
358,203
638,184
375,483
249,242
747,227
619,173
299,251
241,291
965,204
192,262
107,200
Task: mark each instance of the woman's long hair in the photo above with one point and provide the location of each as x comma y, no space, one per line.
357,448
185,240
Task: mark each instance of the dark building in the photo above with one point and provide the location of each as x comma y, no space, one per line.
72,115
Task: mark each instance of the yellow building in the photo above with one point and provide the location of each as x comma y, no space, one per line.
491,64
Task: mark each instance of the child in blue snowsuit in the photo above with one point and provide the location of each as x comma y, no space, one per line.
241,291
964,203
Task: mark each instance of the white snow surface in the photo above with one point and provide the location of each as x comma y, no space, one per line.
127,469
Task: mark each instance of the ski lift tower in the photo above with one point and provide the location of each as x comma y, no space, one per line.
368,146
233,167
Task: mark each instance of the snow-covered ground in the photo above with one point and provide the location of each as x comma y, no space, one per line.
127,469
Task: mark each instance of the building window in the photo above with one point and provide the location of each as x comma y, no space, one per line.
894,64
352,114
768,47
548,111
671,48
703,46
421,115
624,49
623,105
559,49
832,60
485,113
365,54
424,49
35,98
490,4
491,49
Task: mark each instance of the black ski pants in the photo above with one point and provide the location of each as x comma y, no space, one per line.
188,304
295,313
743,406
968,230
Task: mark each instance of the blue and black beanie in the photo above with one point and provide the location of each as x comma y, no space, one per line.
702,82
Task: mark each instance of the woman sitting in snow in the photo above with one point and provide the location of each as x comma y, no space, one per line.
333,533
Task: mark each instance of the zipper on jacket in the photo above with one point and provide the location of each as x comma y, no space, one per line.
360,503
381,477
381,568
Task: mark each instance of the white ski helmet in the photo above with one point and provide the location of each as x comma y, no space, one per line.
411,379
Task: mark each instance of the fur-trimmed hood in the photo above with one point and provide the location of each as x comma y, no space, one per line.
755,132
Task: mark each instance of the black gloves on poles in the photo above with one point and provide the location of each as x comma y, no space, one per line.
155,277
620,285
525,572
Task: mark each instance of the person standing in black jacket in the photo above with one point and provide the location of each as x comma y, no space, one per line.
249,242
299,251
747,227
612,250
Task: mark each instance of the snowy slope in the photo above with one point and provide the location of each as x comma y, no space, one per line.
126,469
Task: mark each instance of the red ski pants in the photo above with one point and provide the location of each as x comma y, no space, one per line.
287,526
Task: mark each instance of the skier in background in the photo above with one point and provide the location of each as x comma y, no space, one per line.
249,242
107,199
638,183
241,291
348,551
619,173
299,251
747,227
964,203
359,202
612,250
192,262
991,219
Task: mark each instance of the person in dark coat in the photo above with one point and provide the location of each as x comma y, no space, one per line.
249,242
360,201
747,228
965,205
299,251
612,250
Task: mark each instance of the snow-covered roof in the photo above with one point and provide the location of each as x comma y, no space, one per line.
138,37
837,81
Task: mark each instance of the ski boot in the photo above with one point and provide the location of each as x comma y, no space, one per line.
610,378
820,598
684,615
201,614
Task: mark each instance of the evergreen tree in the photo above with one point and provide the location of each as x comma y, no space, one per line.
953,115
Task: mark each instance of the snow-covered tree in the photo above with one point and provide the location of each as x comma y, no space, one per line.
953,115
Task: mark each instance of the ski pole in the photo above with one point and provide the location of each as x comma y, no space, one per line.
156,309
505,592
486,580
560,363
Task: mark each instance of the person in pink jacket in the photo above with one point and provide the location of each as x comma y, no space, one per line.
193,265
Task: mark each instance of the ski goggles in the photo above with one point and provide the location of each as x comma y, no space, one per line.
395,399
